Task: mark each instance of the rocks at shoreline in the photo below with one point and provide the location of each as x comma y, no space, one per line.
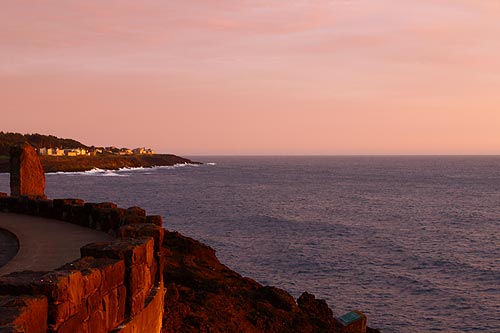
203,295
108,162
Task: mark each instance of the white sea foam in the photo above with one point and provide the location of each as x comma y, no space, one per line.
122,172
65,173
179,165
93,172
104,173
127,169
113,174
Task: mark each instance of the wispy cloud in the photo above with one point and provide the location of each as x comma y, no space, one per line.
340,60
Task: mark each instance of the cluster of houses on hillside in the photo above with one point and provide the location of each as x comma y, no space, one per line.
62,152
94,151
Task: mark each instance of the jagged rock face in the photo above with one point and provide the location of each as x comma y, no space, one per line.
205,296
27,177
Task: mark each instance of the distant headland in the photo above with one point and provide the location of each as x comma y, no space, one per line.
69,155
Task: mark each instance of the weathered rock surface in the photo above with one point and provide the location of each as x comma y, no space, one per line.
203,295
27,177
23,314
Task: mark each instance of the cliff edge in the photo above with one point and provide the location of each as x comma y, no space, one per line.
204,295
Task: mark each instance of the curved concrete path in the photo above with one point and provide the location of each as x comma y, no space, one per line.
46,244
8,246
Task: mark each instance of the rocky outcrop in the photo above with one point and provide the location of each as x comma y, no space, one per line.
203,295
105,161
27,177
27,314
109,162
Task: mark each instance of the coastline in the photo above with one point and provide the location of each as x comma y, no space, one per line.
161,281
105,162
141,277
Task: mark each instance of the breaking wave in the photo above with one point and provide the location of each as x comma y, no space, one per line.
93,172
122,172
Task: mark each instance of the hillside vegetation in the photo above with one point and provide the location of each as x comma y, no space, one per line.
8,139
108,161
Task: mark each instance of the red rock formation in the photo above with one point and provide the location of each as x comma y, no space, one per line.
203,295
27,177
27,314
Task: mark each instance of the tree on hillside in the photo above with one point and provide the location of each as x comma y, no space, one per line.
8,139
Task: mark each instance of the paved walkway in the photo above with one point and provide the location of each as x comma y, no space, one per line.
45,244
8,246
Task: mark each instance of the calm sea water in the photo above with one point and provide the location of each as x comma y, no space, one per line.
414,242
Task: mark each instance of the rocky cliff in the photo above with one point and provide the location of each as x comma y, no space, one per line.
203,295
106,161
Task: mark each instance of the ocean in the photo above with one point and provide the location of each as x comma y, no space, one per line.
413,242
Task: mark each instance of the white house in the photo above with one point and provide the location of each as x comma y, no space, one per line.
143,151
75,152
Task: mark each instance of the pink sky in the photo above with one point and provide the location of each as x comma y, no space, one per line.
256,77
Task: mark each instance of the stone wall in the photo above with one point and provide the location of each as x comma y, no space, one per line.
114,287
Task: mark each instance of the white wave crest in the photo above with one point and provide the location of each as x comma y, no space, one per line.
93,172
128,169
179,165
113,174
122,172
104,173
